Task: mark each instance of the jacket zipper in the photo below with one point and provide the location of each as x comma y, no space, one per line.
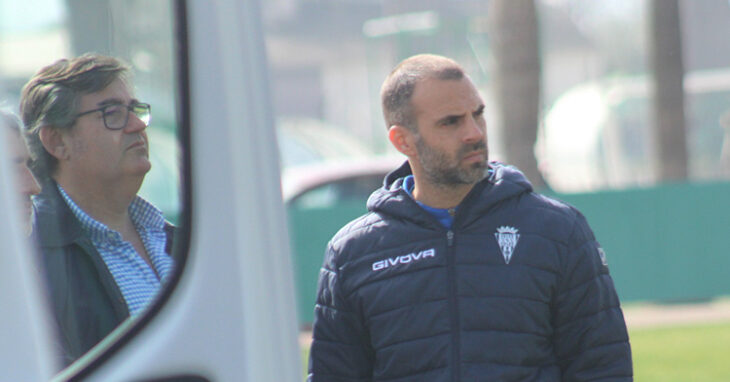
454,308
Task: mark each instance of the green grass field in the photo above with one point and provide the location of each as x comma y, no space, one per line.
682,353
696,353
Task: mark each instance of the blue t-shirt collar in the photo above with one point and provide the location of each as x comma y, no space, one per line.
445,216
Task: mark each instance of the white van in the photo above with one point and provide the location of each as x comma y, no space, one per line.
228,313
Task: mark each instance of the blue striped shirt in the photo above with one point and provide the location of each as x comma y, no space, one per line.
137,282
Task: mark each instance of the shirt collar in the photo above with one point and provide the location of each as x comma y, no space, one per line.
143,214
444,215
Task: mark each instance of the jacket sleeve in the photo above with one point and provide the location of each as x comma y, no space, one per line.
341,350
590,337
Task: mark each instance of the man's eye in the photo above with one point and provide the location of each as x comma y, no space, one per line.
451,121
113,110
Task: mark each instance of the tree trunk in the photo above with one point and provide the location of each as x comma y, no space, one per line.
669,136
515,77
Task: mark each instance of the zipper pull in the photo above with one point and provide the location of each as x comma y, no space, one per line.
450,238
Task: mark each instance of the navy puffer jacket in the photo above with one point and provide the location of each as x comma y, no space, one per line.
517,290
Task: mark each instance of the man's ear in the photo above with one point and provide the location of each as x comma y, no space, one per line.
52,140
403,139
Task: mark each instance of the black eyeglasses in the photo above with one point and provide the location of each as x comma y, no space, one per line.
116,115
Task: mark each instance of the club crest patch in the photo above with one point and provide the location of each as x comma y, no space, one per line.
507,238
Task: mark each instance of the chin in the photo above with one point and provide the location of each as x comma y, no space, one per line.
141,168
145,165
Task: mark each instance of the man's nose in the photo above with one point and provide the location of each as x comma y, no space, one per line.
134,124
474,130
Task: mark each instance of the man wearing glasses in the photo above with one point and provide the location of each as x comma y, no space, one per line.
105,250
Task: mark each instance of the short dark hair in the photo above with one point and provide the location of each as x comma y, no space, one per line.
51,97
400,84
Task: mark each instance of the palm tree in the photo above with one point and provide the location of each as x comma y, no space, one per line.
670,142
515,78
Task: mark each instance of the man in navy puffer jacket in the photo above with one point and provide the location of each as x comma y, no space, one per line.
460,272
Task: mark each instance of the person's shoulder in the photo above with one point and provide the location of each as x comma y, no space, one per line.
556,208
54,223
358,229
357,237
554,218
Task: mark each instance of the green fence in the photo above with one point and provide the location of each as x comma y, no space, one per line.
668,243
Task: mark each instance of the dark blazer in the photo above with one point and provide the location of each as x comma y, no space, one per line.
85,300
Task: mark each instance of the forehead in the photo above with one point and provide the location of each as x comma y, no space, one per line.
436,98
15,144
117,91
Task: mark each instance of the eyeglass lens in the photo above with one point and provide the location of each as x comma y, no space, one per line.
117,116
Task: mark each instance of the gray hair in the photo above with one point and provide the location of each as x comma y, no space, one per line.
400,84
51,98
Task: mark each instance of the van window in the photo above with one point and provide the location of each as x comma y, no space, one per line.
141,35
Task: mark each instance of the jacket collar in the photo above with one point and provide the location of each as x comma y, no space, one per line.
505,182
55,225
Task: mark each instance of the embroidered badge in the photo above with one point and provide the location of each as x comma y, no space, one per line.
507,238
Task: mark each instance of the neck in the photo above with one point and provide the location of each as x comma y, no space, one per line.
440,196
106,203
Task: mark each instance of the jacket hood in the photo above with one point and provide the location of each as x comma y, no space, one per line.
504,182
